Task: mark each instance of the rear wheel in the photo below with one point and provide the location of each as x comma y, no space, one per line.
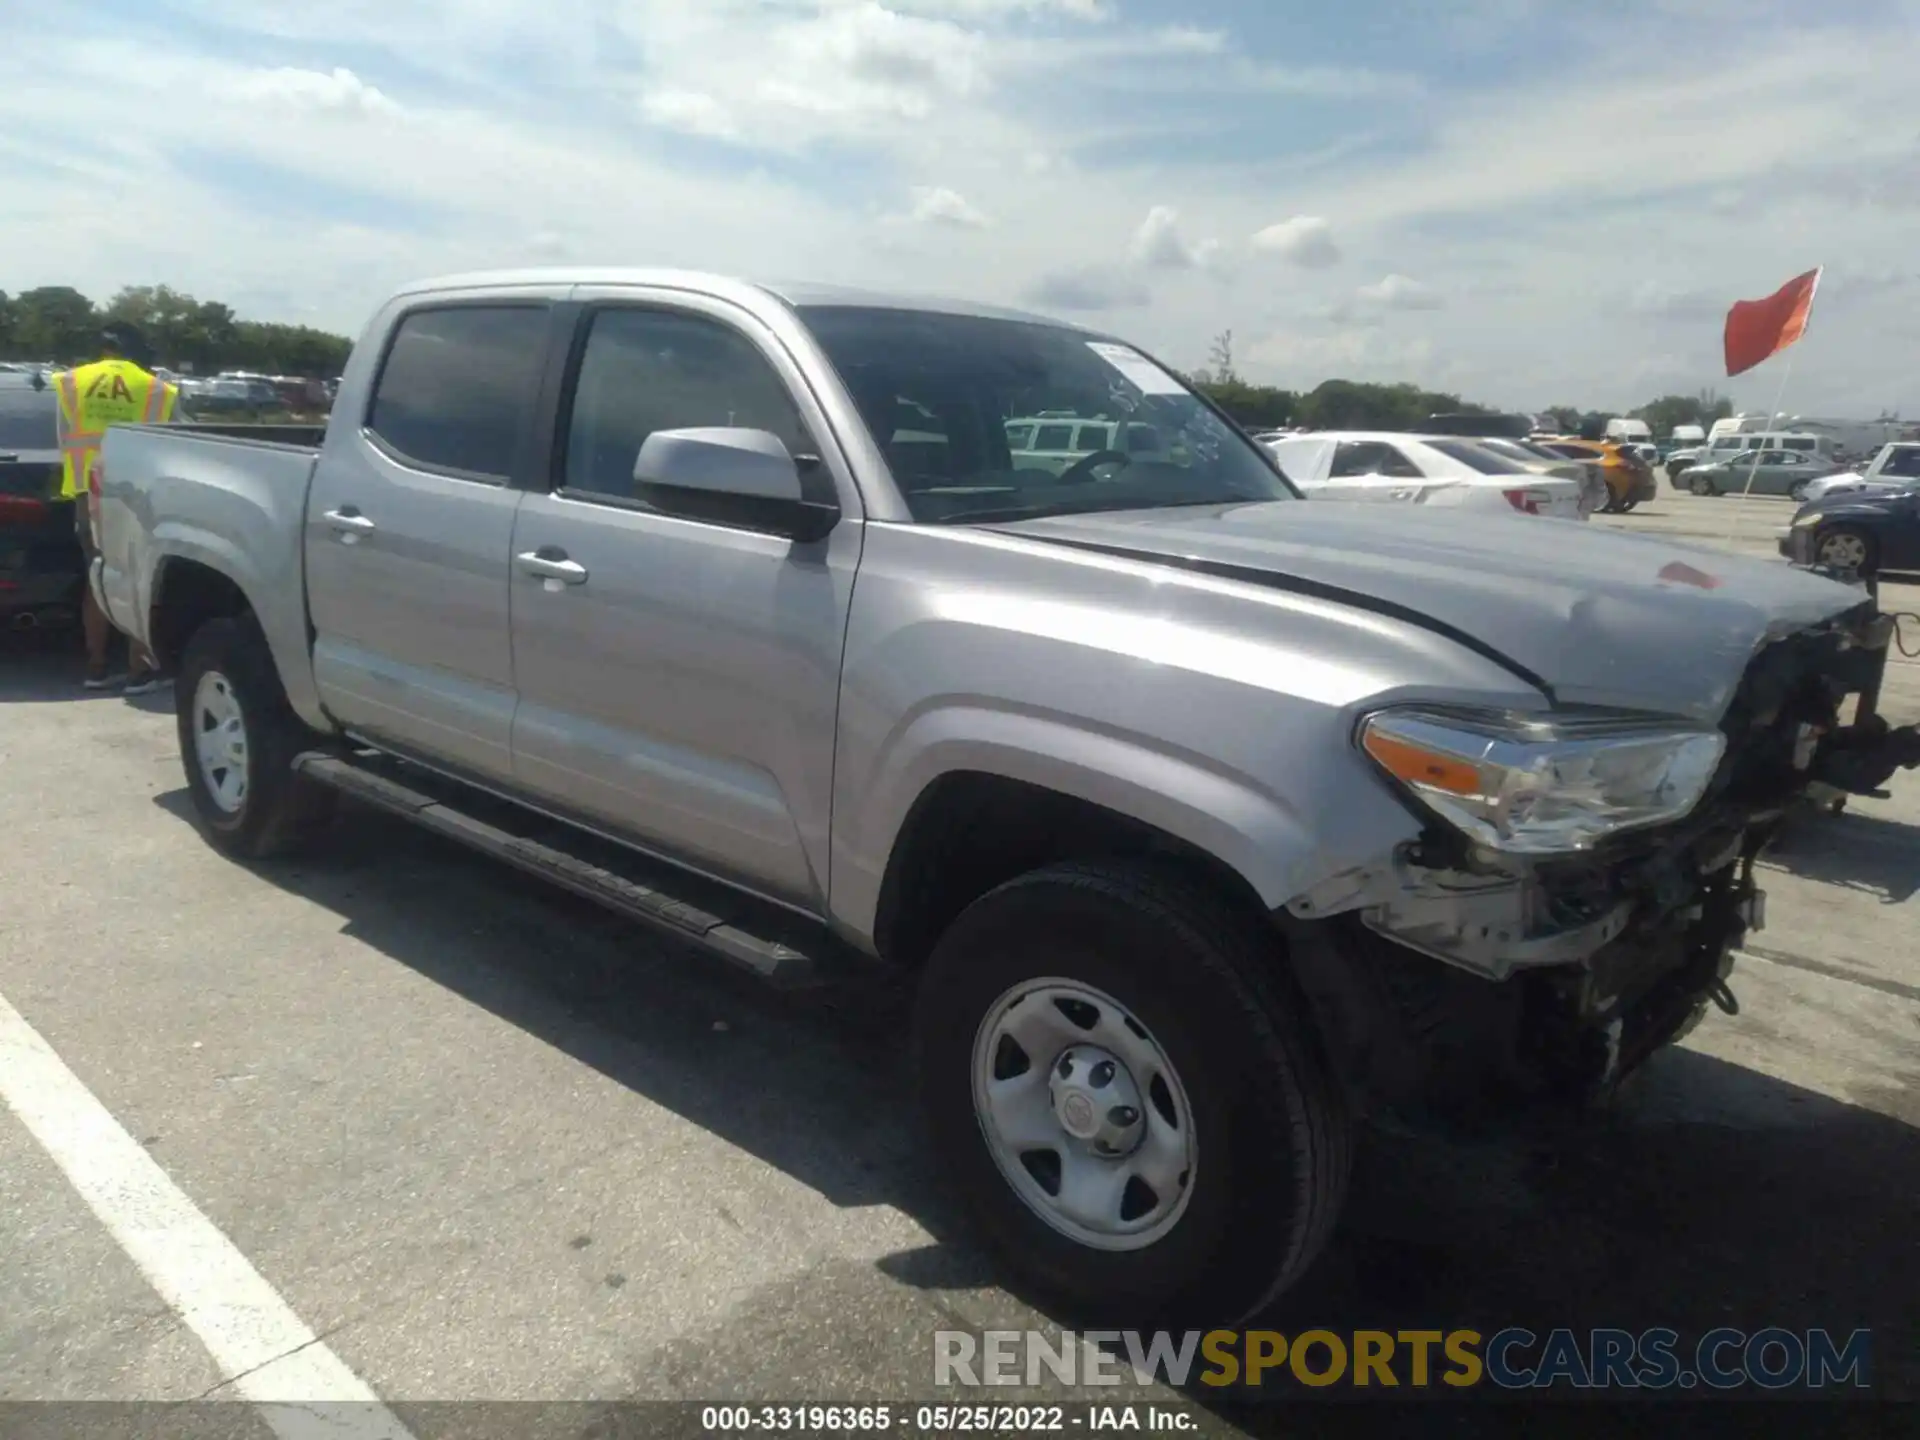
238,737
1125,1097
1798,493
1626,506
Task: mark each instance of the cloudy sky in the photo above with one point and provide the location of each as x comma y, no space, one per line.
1526,201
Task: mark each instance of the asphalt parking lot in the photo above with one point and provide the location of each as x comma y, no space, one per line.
487,1143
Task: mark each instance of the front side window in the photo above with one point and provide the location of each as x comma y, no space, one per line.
457,389
977,373
648,370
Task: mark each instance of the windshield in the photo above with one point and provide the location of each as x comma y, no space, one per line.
988,419
1473,457
27,419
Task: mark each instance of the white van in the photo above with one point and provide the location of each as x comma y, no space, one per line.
1687,435
1623,431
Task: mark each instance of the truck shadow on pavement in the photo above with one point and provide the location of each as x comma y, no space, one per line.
1855,850
1713,1195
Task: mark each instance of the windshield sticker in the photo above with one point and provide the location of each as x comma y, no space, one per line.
1146,376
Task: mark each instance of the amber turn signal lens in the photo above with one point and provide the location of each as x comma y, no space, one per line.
1418,766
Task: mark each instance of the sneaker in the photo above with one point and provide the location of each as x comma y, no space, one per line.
101,682
146,684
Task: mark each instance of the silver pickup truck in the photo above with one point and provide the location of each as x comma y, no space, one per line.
1209,820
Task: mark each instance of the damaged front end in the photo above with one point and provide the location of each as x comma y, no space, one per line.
1562,972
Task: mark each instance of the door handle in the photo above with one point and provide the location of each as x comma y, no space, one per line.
552,566
348,523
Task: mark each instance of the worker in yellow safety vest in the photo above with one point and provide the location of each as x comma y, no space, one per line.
115,389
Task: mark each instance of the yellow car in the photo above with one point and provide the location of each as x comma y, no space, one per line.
1629,478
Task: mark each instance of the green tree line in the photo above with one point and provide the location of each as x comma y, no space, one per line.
58,323
1362,405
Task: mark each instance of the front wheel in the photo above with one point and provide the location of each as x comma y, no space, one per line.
1626,506
1125,1095
1845,549
238,738
1701,485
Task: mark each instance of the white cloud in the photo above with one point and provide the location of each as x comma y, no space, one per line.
1090,288
1398,292
339,91
937,205
1528,199
690,111
994,9
1306,240
1158,244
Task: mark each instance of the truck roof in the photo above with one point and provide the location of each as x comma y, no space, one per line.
794,293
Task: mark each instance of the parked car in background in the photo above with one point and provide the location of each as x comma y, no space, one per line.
41,566
1760,472
1057,444
1738,442
1435,470
1538,460
1894,467
1624,431
1628,479
1872,534
1473,426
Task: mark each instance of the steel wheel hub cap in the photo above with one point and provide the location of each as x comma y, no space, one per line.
1083,1114
220,741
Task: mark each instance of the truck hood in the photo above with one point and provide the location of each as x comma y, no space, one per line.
1591,616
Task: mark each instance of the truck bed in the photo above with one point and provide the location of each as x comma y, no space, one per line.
229,498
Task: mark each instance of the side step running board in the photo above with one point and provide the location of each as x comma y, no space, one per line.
772,960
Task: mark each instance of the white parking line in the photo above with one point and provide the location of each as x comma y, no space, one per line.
265,1352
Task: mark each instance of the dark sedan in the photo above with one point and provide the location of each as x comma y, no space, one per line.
40,564
1868,533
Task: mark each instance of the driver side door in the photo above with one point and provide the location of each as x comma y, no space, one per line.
679,682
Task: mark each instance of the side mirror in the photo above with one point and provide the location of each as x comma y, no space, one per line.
731,476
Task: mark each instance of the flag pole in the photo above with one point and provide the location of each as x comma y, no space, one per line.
1779,399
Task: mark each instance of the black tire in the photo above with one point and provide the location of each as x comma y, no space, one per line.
1626,506
1828,536
1204,980
280,810
1701,485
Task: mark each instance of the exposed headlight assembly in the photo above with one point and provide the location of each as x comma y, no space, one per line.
1526,786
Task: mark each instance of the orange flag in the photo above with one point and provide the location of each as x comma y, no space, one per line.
1757,329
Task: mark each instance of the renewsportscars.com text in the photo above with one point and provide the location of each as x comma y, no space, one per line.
1514,1358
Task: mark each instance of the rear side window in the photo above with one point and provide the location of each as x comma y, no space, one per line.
457,389
1093,438
1473,457
27,419
1020,437
1357,457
